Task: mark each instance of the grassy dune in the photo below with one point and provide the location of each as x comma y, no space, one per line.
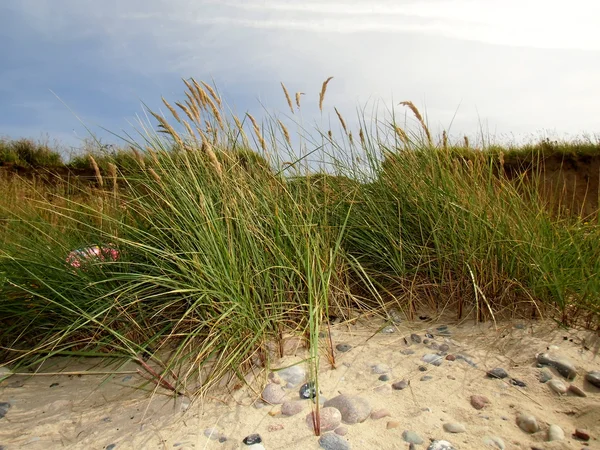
227,242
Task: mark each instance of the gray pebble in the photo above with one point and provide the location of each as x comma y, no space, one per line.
384,377
432,358
407,351
498,372
354,409
453,427
520,326
415,338
426,378
388,330
440,445
308,390
444,348
517,382
293,376
252,439
422,369
341,431
527,423
343,348
555,433
111,447
562,365
557,386
466,359
425,341
593,377
331,441
494,441
544,375
412,437
379,369
4,407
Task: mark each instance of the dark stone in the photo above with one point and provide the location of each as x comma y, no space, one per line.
444,348
343,348
384,377
111,446
582,434
450,357
469,361
425,341
399,385
593,378
252,439
407,351
429,336
53,385
498,372
4,407
332,441
423,368
222,439
415,338
423,317
426,378
517,382
562,365
308,390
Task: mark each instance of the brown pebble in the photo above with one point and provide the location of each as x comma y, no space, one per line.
479,401
582,434
450,377
342,431
577,391
275,427
329,418
392,424
399,385
380,414
450,357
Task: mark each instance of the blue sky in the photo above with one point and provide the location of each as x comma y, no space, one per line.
520,68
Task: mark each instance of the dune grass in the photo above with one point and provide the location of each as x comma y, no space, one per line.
227,244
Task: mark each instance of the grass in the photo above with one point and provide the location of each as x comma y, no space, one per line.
227,244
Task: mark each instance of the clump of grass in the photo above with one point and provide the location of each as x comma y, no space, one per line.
28,154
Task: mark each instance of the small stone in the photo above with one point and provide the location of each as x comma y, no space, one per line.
331,441
562,365
273,393
293,376
434,346
111,447
353,409
341,431
407,351
54,385
275,427
384,377
308,390
452,427
422,369
544,375
429,336
557,386
392,424
432,358
415,338
593,377
479,401
450,357
527,423
443,331
582,434
399,385
380,414
440,445
517,382
329,418
426,378
252,439
450,377
292,408
466,359
494,441
425,341
555,433
577,391
4,407
379,369
498,372
388,330
412,437
343,348
444,348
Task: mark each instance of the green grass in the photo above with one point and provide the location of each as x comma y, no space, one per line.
226,247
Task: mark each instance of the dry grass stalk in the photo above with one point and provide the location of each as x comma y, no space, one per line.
155,175
401,134
212,93
410,105
139,158
298,94
216,113
240,127
189,130
501,158
361,135
341,120
186,109
152,154
210,154
97,171
323,91
193,104
112,172
286,134
287,97
330,134
350,137
173,112
199,93
444,140
466,142
167,128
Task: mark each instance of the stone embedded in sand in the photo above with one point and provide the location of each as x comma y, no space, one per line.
450,358
593,377
415,338
498,372
384,377
582,434
576,391
544,375
432,358
273,393
343,348
380,414
329,419
275,427
354,409
331,441
426,378
293,375
388,330
422,369
555,433
252,439
380,369
557,386
4,407
494,441
527,423
454,427
407,351
517,382
444,348
466,359
479,401
411,437
292,408
308,390
440,445
392,424
399,385
562,365
341,431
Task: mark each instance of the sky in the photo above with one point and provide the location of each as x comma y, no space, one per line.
517,69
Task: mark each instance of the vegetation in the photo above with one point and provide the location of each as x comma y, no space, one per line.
226,242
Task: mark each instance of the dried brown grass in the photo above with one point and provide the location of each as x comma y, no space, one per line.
323,91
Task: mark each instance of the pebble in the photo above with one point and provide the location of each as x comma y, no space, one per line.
380,414
440,445
432,358
544,375
354,409
331,441
429,335
341,431
527,423
479,401
557,386
293,375
444,348
453,427
466,359
388,330
450,357
256,447
379,369
498,372
273,393
392,424
275,427
494,441
395,316
562,365
329,418
434,346
384,377
291,408
111,446
407,351
593,377
426,378
412,437
415,338
343,348
4,407
308,390
555,433
517,382
425,341
422,369
252,439
577,391
582,434
399,385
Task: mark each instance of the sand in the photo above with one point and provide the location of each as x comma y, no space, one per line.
95,411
